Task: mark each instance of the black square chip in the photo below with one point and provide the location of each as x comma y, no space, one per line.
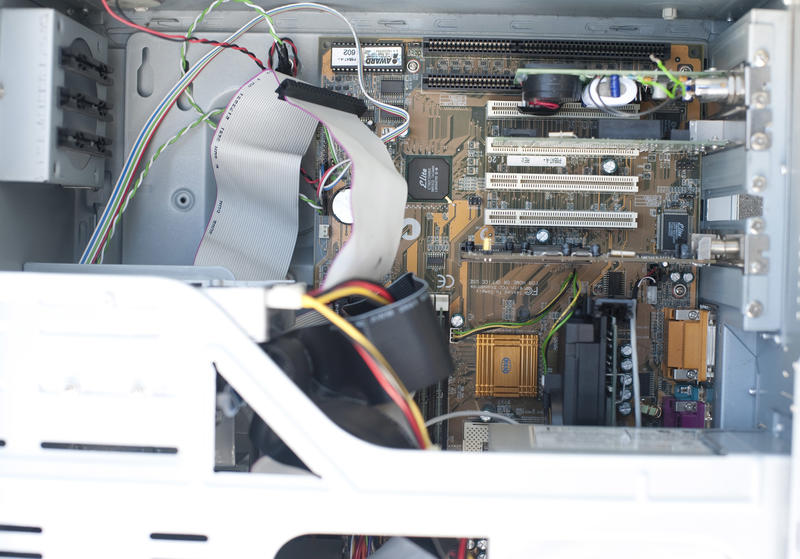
428,178
673,230
391,87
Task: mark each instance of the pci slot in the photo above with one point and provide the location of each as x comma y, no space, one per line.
509,109
565,183
547,48
562,218
535,146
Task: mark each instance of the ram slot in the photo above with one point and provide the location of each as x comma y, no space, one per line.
562,218
536,146
563,183
510,109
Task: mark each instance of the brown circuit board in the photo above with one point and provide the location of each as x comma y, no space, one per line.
449,130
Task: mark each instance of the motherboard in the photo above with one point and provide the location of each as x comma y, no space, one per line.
556,229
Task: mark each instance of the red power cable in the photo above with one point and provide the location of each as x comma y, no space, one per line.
171,37
374,287
462,549
396,397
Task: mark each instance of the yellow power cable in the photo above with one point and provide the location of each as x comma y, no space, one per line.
354,334
336,294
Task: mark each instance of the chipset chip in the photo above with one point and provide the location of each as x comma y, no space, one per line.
506,365
673,230
428,178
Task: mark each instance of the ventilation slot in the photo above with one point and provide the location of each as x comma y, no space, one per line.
111,448
178,537
26,529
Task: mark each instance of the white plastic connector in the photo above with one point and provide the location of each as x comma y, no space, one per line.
285,296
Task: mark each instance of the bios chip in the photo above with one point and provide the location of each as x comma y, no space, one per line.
506,365
428,178
376,57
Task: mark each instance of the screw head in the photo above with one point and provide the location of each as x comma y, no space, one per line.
757,225
759,141
694,315
759,184
756,268
760,58
754,309
760,99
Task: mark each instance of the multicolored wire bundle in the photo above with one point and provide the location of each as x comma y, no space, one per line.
461,334
122,189
380,368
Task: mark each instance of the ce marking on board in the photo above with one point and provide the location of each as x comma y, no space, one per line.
445,281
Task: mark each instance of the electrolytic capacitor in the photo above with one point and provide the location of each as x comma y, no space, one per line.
543,236
626,364
609,166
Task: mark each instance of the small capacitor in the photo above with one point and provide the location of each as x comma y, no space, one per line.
526,246
609,166
626,364
509,245
543,236
457,321
626,350
470,544
624,408
565,249
688,277
483,545
675,277
685,251
471,246
595,250
626,379
625,394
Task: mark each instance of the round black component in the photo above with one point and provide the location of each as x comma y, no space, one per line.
526,246
541,91
509,245
679,290
565,249
523,314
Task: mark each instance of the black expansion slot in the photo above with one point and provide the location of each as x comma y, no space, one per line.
544,48
476,82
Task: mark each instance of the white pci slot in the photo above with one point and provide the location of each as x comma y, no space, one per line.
562,183
517,146
562,218
508,109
